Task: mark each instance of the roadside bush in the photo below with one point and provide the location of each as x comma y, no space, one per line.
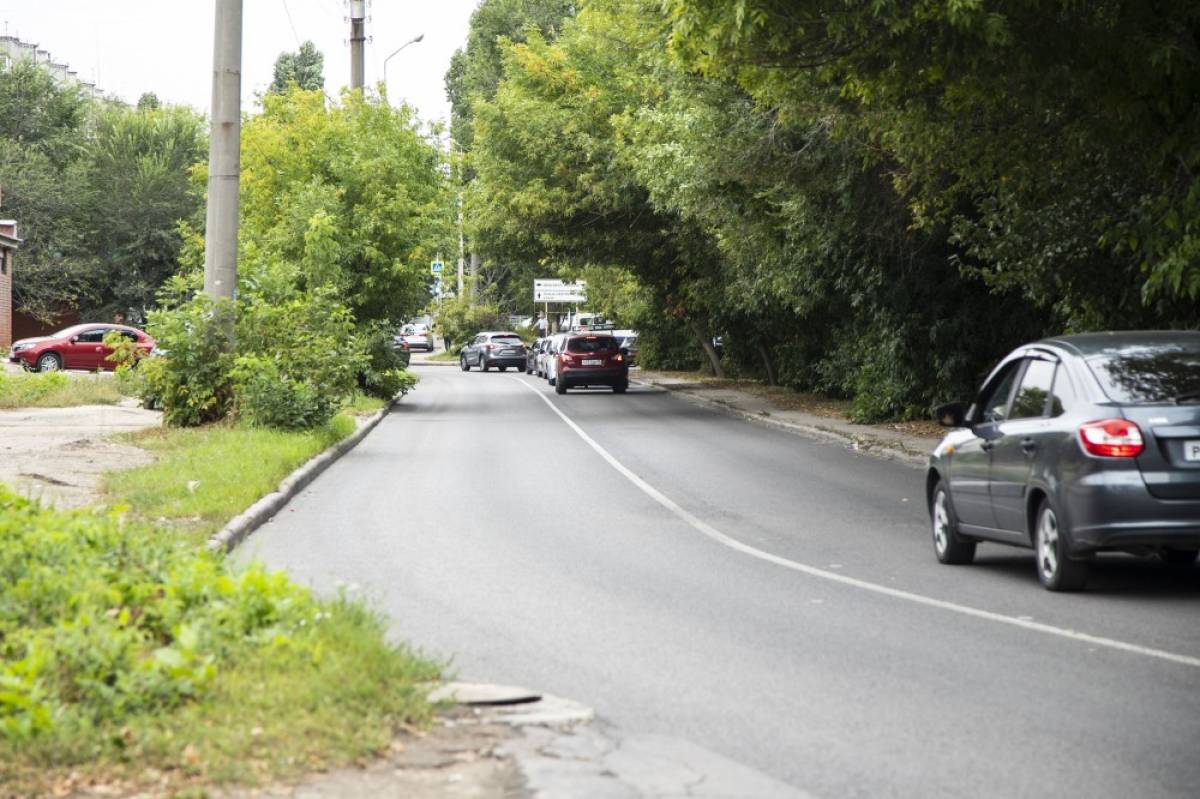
385,374
127,654
460,318
266,397
191,378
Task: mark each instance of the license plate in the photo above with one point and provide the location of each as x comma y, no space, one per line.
593,362
511,352
1191,450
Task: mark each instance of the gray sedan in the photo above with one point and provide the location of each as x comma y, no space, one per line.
1075,445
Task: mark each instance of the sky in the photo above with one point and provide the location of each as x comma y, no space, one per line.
165,46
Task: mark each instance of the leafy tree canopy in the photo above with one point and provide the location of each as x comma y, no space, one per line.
305,68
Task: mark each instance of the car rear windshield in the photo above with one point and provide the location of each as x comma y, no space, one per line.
592,344
1148,375
507,339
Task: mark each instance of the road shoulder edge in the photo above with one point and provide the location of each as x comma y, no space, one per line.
242,526
867,444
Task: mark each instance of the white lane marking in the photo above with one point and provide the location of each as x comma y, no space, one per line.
716,535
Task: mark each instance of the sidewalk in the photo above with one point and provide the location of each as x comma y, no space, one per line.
908,442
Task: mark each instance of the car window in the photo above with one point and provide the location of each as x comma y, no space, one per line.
592,344
1149,374
995,403
1030,401
507,339
93,336
1063,397
129,334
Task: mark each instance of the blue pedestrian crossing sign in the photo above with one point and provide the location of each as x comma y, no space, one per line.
436,267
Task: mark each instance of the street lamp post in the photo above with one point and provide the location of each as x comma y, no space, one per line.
413,40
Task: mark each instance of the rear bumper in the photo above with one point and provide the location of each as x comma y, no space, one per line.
505,361
1114,510
593,377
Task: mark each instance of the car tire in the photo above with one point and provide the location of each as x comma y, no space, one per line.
949,547
521,368
1179,557
462,363
49,362
621,388
483,364
560,387
503,368
1056,569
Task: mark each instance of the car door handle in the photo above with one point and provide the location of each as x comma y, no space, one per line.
986,446
1028,445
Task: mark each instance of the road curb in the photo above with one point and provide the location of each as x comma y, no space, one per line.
866,444
241,526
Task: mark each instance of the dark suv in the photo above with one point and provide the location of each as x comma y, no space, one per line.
498,349
1075,445
590,359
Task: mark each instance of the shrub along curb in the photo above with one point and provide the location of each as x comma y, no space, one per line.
241,526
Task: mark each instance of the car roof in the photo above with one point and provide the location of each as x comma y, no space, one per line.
1089,344
497,333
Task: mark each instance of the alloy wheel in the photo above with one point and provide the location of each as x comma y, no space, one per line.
941,523
1047,547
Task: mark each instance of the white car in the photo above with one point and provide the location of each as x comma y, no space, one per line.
418,337
548,360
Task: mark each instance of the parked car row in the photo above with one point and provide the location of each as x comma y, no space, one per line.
1075,445
575,360
76,347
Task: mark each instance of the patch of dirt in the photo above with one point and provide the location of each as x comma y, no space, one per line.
59,454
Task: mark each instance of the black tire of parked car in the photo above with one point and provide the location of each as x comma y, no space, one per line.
560,387
521,368
483,364
462,363
621,388
1056,570
49,362
948,545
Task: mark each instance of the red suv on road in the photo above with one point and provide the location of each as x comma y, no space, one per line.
76,347
591,359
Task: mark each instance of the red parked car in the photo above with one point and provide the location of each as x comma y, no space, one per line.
76,347
590,359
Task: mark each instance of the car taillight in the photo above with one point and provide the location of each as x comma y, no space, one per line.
1112,438
618,357
567,359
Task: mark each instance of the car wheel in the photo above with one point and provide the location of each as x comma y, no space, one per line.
621,388
521,368
1179,557
50,362
462,363
1056,570
503,368
560,387
483,364
947,544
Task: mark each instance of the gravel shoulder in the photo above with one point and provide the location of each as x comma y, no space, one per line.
59,454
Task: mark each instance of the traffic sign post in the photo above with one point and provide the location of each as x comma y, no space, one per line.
435,267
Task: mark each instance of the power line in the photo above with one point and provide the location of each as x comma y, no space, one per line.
291,24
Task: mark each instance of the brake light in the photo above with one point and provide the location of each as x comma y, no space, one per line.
1112,438
618,357
567,359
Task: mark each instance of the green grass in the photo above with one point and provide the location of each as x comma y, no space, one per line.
362,405
130,657
57,390
204,476
444,355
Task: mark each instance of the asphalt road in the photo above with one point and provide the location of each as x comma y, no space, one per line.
770,598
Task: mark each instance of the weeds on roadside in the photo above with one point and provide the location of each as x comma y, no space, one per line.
129,655
57,390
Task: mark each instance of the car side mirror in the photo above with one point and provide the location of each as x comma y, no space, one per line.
952,414
74,339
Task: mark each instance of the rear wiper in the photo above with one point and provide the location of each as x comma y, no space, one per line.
1191,396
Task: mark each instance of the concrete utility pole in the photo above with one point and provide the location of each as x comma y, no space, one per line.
224,154
358,36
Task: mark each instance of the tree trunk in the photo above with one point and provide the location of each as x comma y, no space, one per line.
706,344
765,354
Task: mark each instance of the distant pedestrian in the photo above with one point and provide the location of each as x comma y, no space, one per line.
119,318
446,341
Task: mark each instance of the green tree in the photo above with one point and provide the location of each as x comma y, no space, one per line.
305,68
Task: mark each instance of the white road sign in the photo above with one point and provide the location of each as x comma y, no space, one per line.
558,291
